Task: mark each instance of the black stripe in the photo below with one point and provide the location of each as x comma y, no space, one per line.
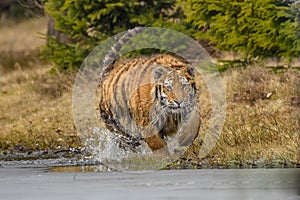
122,40
143,70
160,90
115,49
123,92
134,75
141,76
115,87
142,73
128,35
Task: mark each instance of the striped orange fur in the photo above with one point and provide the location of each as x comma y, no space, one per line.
151,99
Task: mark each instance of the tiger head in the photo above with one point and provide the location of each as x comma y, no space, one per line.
175,90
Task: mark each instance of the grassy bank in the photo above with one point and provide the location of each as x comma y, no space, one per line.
262,125
262,117
35,106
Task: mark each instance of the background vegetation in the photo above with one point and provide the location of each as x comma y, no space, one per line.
254,29
263,113
90,22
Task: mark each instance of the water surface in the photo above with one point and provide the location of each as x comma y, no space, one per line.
43,183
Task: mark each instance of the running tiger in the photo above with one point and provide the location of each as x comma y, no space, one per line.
150,99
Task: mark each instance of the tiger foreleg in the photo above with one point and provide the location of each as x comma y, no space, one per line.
189,129
156,143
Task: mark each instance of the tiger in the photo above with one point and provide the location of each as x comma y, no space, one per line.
149,99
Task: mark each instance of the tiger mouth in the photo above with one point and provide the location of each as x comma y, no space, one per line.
175,107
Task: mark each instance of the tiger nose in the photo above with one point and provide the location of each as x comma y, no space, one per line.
178,101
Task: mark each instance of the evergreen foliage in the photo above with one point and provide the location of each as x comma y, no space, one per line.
256,28
264,28
88,22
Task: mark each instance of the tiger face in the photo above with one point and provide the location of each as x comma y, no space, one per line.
175,89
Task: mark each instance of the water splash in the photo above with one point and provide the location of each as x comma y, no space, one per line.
104,148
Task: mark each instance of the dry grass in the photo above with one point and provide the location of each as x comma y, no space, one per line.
24,36
19,44
263,108
36,112
262,122
263,119
35,107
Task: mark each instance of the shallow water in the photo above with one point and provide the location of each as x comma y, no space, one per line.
78,177
42,183
83,163
74,175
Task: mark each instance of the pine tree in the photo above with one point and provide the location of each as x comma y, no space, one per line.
88,22
255,28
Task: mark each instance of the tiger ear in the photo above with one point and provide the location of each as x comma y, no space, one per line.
158,72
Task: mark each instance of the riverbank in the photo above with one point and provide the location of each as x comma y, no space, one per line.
262,117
